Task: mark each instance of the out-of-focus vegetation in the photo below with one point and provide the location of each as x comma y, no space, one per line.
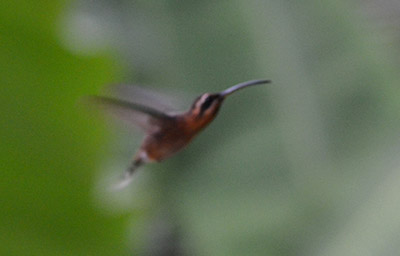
308,165
48,150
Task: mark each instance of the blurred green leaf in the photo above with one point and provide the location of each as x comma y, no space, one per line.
49,151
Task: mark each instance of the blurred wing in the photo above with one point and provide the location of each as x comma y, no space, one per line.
156,100
145,117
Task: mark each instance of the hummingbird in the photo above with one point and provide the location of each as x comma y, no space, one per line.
166,133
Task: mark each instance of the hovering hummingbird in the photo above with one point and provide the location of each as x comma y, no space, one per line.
167,133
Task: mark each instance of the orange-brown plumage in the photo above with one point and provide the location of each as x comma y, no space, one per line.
175,135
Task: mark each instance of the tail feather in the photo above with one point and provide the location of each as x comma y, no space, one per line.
127,177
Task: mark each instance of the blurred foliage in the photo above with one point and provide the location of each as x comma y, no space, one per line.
49,152
305,166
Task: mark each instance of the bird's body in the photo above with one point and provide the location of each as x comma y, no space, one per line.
173,135
163,143
166,133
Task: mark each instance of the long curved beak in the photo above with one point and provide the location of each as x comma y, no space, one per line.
237,87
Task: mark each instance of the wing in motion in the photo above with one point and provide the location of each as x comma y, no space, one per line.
145,117
161,101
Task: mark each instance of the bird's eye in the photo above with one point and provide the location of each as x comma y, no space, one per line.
206,104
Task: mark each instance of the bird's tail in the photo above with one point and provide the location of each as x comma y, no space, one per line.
128,174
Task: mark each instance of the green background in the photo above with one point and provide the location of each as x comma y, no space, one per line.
308,165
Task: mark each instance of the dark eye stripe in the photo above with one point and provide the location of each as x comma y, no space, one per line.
206,104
